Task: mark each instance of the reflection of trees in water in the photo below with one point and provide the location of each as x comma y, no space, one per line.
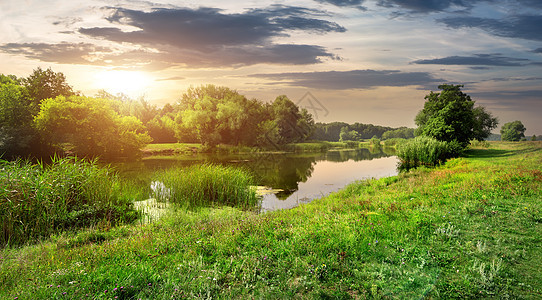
354,154
282,171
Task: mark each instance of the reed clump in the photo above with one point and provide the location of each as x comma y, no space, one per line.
206,185
422,151
37,200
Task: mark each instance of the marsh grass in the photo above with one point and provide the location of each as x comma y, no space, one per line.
37,200
422,151
206,185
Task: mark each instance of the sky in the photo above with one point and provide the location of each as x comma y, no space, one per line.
367,61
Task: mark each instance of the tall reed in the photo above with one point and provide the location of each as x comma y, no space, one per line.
422,150
37,200
205,185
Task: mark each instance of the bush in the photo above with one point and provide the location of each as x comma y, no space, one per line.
205,185
426,151
37,200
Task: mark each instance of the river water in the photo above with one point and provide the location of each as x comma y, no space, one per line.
285,180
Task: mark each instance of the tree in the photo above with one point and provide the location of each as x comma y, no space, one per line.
291,124
89,127
533,138
513,131
43,84
218,115
17,137
450,116
348,135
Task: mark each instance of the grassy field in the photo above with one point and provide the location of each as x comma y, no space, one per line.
468,229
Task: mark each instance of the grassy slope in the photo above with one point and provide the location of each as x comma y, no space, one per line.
468,229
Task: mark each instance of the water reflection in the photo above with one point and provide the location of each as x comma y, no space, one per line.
300,177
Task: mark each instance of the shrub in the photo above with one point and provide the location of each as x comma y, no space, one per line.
37,200
206,185
424,150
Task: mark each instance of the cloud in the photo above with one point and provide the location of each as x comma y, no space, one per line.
538,50
520,26
206,36
207,28
345,3
64,52
202,37
354,79
477,60
421,6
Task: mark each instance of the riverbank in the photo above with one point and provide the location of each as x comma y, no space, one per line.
193,148
470,228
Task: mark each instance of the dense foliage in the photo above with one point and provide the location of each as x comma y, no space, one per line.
219,115
451,116
340,131
89,126
37,200
513,131
41,115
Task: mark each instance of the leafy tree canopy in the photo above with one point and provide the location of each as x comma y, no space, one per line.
450,116
513,131
89,127
43,84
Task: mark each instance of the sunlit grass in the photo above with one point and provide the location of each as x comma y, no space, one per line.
468,229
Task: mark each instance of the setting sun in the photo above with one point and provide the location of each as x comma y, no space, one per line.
131,83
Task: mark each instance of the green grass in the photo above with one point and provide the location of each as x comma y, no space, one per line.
37,200
171,148
470,228
205,185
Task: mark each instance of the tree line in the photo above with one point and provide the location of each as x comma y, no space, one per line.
42,114
341,131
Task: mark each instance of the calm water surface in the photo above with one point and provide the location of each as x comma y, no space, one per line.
288,179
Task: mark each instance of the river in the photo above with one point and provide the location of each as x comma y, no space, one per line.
285,180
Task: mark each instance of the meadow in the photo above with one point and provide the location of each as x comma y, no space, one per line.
470,228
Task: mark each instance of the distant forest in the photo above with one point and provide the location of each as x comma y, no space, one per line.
340,131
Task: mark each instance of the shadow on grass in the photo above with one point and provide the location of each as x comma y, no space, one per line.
488,153
520,148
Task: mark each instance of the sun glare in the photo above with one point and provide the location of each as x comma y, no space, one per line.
131,83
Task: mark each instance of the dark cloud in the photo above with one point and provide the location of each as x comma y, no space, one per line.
425,6
205,29
477,60
345,3
247,55
526,27
524,100
355,79
203,37
209,37
69,53
539,50
516,78
480,68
